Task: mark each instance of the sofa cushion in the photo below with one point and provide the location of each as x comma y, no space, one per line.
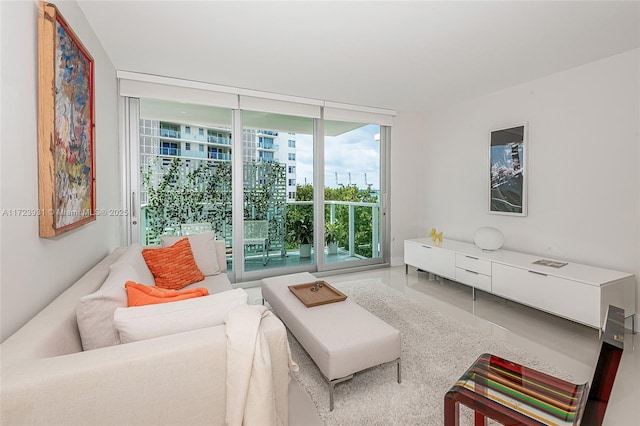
140,294
203,247
146,322
173,267
213,283
133,256
95,311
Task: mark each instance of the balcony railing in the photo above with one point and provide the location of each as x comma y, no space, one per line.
169,133
170,151
220,156
218,140
352,207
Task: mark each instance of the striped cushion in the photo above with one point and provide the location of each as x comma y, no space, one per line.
173,267
530,396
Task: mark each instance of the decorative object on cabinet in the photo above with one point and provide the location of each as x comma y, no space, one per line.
549,262
435,237
66,163
508,170
488,238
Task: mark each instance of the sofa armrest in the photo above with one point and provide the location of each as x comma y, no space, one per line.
177,379
221,255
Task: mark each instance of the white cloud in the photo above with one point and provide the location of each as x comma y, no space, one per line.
355,152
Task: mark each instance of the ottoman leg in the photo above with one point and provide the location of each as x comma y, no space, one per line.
332,385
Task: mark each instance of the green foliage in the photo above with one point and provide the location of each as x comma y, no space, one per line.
362,214
177,196
330,233
301,232
183,193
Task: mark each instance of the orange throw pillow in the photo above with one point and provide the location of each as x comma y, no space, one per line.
140,295
173,267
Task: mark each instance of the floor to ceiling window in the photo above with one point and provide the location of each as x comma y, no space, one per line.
352,192
285,189
184,162
278,218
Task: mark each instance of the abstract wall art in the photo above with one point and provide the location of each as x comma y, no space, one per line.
66,162
508,170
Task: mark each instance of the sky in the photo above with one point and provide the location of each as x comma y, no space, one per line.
356,152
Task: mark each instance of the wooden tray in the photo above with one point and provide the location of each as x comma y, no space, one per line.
325,294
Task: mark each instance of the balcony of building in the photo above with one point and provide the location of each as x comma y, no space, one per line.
282,255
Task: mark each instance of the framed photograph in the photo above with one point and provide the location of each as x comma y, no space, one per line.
508,170
66,163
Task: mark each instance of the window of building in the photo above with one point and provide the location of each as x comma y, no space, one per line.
292,144
201,132
292,156
169,148
292,169
292,182
201,148
187,146
187,130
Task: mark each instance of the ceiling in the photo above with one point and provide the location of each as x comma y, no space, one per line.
407,56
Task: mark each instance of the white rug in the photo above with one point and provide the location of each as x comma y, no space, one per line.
436,351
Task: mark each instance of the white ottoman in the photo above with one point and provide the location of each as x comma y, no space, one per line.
342,338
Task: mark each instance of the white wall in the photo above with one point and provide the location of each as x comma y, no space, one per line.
35,270
406,194
584,184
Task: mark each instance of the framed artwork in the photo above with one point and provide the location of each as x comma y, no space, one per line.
508,170
66,163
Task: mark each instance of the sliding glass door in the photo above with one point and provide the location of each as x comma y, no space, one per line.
184,183
352,193
278,208
286,193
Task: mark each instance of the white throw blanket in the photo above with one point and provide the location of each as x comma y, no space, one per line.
250,393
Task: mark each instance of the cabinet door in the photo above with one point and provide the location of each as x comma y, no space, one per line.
570,299
432,259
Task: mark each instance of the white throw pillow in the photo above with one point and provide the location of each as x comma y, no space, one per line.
203,247
95,311
146,322
133,257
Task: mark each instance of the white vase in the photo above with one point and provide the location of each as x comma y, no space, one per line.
305,250
332,248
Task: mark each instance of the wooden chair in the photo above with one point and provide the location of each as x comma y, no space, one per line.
516,395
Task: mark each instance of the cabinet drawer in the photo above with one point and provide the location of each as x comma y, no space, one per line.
471,263
432,259
570,299
474,279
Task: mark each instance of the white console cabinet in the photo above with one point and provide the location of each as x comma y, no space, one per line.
577,292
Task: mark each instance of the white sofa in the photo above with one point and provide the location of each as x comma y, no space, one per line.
178,379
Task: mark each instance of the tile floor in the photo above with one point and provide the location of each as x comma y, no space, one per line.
570,346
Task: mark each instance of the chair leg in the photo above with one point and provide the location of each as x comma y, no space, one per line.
451,410
479,419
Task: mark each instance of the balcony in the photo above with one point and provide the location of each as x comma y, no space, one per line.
267,146
218,140
349,248
169,133
174,152
224,156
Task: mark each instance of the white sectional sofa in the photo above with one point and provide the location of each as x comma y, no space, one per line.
47,378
